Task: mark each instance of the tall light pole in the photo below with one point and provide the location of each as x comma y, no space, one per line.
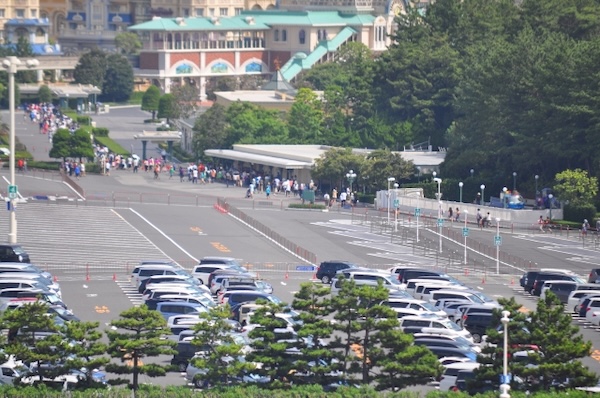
504,197
12,65
396,207
514,180
504,386
537,177
440,220
390,180
460,187
472,171
482,186
497,241
350,176
466,233
550,196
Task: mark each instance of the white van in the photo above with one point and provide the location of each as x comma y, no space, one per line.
416,324
414,304
573,301
366,277
469,295
11,370
411,284
142,272
451,372
423,290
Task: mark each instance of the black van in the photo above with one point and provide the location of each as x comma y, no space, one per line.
13,254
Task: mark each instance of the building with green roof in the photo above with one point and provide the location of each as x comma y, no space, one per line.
294,37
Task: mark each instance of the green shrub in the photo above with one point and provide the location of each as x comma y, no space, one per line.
164,128
151,120
93,168
136,98
43,165
111,145
366,198
100,131
579,213
306,206
84,120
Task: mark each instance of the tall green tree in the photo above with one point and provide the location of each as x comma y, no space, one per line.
91,68
561,348
210,130
128,43
44,94
333,165
251,124
382,164
150,100
61,144
168,108
576,187
314,328
186,98
305,118
34,337
222,357
137,335
80,145
271,340
88,350
118,79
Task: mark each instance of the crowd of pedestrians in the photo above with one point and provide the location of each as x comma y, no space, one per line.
49,118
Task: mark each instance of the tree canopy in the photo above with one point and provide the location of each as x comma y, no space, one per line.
118,79
150,100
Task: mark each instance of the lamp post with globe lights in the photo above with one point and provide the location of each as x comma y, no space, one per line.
350,176
482,186
13,65
514,181
440,220
504,386
396,207
389,180
460,188
537,177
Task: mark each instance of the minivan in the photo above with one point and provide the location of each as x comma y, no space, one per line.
157,279
423,291
413,273
562,289
451,373
142,272
469,295
236,298
412,283
202,271
170,308
27,284
433,322
362,277
328,269
536,289
419,305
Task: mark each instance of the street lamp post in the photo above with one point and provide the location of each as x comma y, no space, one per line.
460,187
537,177
396,207
439,198
465,233
514,180
390,180
504,386
498,246
351,176
472,171
482,186
504,198
12,65
550,196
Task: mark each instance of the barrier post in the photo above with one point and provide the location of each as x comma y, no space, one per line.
87,271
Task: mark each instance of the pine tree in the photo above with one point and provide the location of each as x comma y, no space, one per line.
87,352
222,360
137,335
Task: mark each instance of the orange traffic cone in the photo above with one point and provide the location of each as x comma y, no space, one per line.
483,280
114,277
87,277
287,276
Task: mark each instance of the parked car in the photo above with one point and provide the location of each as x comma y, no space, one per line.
576,295
451,371
364,277
202,271
477,323
528,278
155,279
328,269
432,322
594,276
13,253
541,277
238,297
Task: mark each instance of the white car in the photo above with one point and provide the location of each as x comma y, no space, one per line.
576,295
451,372
593,317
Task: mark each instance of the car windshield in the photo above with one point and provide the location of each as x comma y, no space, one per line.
52,298
578,280
483,297
239,268
18,250
451,325
274,299
462,341
181,272
394,281
429,307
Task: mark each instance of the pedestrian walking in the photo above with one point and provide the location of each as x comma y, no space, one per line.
268,191
181,173
541,223
457,214
585,227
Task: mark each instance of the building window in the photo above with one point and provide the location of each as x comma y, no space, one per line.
186,12
276,35
33,13
302,37
211,12
199,12
20,13
238,11
283,35
223,12
2,12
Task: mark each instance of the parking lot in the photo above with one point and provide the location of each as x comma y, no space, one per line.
92,249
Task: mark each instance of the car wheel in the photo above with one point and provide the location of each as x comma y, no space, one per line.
476,338
199,383
182,366
325,279
532,291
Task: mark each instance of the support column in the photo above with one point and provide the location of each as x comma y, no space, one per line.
40,75
144,142
170,150
202,88
167,85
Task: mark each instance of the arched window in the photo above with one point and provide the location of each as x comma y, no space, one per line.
276,35
302,36
283,35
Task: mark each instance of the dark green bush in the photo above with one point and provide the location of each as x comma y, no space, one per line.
100,132
84,120
43,165
366,198
152,121
306,206
579,213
